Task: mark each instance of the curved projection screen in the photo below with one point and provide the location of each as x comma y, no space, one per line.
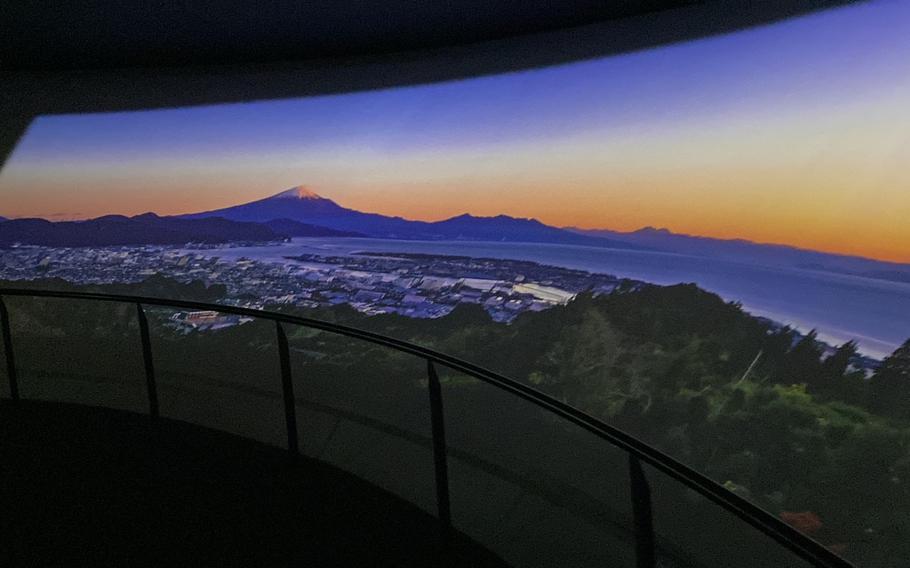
766,167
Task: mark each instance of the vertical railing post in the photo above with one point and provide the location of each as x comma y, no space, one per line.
642,516
287,388
150,383
439,451
8,351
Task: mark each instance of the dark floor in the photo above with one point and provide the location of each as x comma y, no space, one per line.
87,486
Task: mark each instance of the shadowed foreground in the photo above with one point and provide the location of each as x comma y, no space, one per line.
90,486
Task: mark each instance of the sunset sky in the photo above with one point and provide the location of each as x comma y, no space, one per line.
795,133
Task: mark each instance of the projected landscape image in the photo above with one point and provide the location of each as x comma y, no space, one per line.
705,244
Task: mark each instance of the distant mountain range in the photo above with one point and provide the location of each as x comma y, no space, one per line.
289,228
749,252
302,205
298,212
113,230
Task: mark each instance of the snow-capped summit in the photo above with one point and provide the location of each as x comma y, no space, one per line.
299,192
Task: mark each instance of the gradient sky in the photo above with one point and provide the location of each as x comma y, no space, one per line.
794,133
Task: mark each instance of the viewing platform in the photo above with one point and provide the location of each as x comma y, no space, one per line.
422,459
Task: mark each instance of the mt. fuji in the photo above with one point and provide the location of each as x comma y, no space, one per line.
303,205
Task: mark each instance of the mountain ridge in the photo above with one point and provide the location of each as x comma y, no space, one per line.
301,212
754,252
150,229
302,204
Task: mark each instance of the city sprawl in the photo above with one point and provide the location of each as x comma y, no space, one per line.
414,285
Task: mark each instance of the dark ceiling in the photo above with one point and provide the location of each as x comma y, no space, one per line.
112,33
97,34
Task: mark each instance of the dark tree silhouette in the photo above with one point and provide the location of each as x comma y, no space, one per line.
835,366
891,384
803,363
775,349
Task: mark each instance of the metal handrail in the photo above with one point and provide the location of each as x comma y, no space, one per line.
638,451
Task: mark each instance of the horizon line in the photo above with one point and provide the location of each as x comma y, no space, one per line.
62,218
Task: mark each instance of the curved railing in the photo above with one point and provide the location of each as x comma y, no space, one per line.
638,452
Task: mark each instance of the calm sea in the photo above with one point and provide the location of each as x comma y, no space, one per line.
874,312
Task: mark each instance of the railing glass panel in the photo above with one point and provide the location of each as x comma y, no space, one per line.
78,351
531,486
225,379
691,530
371,420
6,387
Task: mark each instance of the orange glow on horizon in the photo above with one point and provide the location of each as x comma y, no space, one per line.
620,208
